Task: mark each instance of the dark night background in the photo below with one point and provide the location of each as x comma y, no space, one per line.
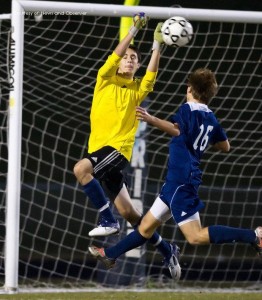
56,86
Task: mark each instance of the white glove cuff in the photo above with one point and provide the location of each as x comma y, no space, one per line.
156,45
133,30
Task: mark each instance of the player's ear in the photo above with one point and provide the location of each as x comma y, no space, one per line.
138,66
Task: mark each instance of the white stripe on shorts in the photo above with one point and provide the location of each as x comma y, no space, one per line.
108,159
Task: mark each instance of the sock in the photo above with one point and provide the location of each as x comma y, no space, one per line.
131,241
97,196
157,241
223,234
163,246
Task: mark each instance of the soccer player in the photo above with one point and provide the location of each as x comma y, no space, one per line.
192,128
113,128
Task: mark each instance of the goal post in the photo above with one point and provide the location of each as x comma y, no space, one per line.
14,148
20,8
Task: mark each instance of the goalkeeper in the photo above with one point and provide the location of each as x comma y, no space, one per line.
113,128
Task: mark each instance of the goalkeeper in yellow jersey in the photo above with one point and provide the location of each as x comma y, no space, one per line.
113,128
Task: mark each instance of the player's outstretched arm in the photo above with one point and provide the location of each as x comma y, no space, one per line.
157,45
166,126
139,21
158,38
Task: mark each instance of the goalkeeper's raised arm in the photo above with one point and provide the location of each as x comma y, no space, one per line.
139,22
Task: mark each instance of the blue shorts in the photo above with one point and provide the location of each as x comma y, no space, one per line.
182,200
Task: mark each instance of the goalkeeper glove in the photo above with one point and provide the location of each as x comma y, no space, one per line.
140,21
158,39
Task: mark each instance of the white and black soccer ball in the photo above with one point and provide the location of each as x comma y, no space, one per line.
177,32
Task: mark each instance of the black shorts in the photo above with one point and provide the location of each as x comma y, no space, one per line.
108,165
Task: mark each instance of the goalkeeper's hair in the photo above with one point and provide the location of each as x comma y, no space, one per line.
133,47
203,84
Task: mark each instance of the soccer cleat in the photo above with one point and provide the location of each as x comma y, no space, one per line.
105,228
258,244
99,254
172,263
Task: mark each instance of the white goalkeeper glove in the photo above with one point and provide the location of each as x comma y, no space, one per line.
158,39
140,21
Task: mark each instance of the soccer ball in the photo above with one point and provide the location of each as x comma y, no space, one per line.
177,32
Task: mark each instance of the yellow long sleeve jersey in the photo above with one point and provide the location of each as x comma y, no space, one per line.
113,120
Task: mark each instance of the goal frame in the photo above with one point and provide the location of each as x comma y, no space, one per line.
19,8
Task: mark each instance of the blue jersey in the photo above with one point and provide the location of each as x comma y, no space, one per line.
198,128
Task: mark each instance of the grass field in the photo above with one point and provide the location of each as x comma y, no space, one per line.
135,296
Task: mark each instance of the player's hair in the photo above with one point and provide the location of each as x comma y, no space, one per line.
133,47
203,84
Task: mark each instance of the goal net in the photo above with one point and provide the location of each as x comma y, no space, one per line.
63,51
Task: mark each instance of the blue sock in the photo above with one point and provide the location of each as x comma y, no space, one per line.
157,241
95,193
162,245
131,241
223,234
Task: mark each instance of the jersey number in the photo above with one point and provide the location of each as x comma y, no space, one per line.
202,139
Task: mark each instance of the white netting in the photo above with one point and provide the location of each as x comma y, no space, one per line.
62,56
